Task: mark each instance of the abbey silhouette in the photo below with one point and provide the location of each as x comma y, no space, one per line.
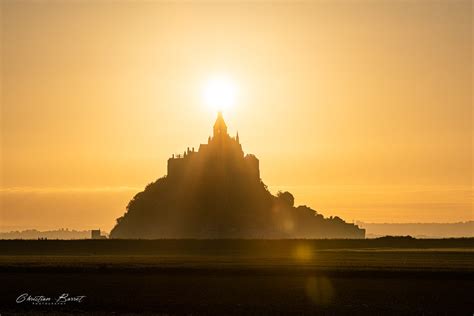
216,192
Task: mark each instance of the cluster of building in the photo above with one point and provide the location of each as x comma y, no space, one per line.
219,145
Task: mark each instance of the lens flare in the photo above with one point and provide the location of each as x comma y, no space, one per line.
320,290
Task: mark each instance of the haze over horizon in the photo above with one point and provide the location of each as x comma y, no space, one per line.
360,110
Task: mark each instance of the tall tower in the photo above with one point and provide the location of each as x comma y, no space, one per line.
220,128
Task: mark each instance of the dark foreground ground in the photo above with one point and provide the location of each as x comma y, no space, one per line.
240,277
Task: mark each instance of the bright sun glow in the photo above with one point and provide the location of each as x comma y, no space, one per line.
220,94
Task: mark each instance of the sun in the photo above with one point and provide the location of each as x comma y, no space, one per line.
220,93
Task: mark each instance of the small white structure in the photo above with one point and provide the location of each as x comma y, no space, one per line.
95,234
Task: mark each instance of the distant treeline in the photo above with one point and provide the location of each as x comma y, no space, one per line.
419,230
50,234
205,247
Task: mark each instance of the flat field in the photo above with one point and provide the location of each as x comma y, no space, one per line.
240,277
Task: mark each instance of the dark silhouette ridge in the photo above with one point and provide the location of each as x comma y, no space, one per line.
216,192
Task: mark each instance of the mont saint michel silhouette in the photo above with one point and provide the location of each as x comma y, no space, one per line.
216,192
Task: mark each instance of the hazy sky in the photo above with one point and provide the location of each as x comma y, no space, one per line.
361,109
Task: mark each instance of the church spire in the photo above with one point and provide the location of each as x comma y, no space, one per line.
220,128
237,137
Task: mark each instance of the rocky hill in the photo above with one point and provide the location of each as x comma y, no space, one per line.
216,192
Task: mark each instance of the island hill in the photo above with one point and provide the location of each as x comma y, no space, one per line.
216,192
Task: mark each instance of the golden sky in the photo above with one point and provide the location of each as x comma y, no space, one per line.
361,109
